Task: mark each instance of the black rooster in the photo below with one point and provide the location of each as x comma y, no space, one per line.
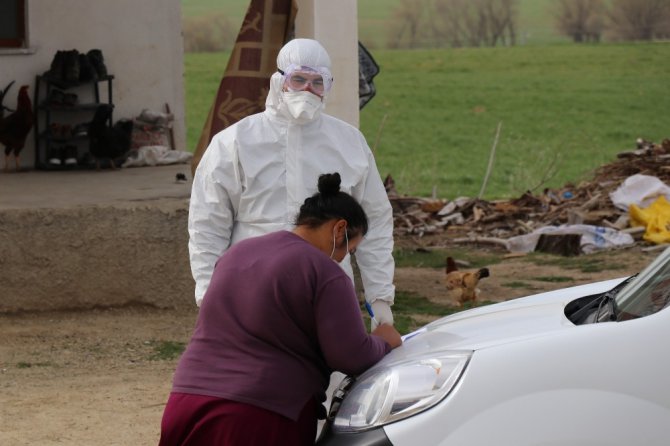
108,143
3,95
15,127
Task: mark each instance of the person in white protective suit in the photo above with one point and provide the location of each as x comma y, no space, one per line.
255,175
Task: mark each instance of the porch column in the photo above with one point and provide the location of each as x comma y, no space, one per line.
334,23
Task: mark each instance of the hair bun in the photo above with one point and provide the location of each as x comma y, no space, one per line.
329,184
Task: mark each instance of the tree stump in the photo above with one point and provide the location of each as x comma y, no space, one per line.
562,244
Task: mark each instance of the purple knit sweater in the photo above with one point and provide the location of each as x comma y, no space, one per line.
279,316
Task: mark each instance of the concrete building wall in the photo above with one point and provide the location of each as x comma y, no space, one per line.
141,42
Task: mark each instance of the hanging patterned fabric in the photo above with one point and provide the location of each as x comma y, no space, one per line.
268,24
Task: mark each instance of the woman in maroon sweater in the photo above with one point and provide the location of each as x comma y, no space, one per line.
278,317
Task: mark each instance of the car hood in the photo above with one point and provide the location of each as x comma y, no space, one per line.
510,321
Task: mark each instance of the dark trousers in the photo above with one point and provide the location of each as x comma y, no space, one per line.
198,420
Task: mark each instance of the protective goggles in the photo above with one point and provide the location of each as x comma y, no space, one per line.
300,78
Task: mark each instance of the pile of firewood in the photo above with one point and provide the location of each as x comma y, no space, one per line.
474,219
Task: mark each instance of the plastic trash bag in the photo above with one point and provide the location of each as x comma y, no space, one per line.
155,156
592,238
655,218
640,190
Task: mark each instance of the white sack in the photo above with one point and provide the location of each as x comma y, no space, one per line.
157,155
641,190
593,237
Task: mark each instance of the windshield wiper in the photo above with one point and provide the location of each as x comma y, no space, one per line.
604,300
613,308
586,310
607,297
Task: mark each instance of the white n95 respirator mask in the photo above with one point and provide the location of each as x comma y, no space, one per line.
303,106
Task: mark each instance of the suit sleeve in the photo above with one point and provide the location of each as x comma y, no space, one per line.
374,255
214,196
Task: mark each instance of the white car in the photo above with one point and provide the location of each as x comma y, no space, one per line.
587,365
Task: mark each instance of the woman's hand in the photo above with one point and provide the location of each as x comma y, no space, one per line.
389,334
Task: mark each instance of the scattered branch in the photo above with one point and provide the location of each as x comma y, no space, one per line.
490,165
379,133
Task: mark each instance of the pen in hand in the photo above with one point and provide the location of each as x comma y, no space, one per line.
371,313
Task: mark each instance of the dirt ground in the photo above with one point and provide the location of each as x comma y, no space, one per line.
101,377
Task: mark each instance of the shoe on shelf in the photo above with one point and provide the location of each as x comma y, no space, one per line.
55,155
98,61
70,99
80,130
57,68
70,155
86,69
71,68
55,130
66,131
56,97
60,131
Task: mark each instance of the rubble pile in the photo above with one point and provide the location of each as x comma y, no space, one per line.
472,219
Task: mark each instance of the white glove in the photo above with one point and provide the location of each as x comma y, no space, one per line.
382,311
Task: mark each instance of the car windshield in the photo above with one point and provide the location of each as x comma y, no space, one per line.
640,295
647,293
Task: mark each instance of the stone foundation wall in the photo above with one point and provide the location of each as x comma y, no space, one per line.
95,256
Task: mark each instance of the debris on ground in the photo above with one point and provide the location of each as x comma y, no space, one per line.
587,203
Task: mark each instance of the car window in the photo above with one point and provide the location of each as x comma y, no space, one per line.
648,293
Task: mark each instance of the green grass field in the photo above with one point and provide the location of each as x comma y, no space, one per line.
235,9
565,109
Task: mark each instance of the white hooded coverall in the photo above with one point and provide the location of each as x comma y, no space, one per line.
255,175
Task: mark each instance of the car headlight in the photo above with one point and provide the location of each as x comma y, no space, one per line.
399,390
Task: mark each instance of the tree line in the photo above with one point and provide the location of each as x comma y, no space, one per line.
472,23
624,20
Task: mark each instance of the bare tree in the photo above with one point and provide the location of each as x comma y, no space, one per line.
210,33
476,24
446,25
640,19
473,22
582,20
501,19
406,24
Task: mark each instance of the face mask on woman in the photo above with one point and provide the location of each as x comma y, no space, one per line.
346,237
